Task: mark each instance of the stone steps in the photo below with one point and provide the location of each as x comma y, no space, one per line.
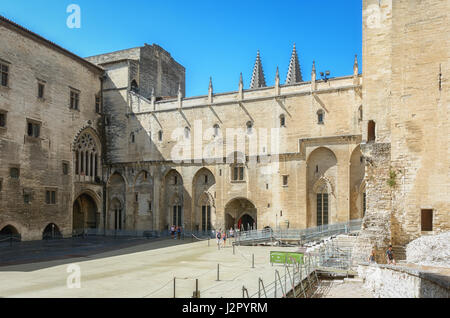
399,252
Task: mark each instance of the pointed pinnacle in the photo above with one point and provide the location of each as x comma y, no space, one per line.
294,74
258,79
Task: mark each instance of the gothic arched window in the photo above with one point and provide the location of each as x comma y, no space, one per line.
249,127
320,117
87,154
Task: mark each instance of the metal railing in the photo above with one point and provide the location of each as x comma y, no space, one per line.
299,280
140,233
300,235
10,239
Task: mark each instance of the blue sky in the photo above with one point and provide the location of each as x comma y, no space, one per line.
209,38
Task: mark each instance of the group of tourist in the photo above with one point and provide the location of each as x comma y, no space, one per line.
389,256
175,232
221,237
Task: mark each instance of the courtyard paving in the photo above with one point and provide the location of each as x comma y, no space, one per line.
146,269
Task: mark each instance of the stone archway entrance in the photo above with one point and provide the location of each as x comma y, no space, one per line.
240,213
247,223
50,232
9,231
85,213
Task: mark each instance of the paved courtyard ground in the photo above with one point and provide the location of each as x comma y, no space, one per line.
146,269
342,289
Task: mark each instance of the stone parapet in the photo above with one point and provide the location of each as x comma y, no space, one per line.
389,281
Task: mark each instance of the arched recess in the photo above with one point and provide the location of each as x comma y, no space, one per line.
116,209
204,185
241,213
115,218
51,231
321,187
143,196
87,156
85,213
134,87
174,200
10,231
357,169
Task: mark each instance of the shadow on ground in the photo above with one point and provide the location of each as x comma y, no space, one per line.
36,255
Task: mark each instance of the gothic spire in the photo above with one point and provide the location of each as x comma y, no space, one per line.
258,79
294,74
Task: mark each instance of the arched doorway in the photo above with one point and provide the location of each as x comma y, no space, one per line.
240,213
322,205
116,188
9,231
204,218
85,214
174,193
321,187
115,215
143,210
246,222
51,232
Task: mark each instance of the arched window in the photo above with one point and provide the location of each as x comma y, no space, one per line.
216,130
87,156
134,86
187,132
282,121
360,113
322,206
132,138
371,131
160,135
249,127
320,117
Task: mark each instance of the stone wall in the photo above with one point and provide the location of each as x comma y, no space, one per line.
388,281
405,94
40,159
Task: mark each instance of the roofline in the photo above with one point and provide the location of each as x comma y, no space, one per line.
24,31
117,51
174,99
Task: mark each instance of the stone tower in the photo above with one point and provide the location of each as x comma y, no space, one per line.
405,136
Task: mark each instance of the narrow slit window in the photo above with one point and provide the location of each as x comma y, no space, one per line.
4,70
2,120
41,88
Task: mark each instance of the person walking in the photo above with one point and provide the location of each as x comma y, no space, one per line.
172,231
219,237
372,258
179,232
224,238
390,256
